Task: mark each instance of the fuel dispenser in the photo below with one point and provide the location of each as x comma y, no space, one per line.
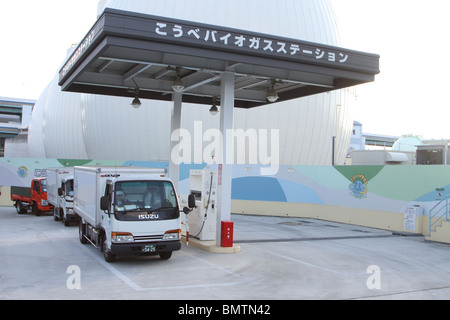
202,220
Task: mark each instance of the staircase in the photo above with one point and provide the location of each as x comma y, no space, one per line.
439,222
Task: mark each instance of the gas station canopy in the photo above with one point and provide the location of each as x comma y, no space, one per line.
143,56
131,54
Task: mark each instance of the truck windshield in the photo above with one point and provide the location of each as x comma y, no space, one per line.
145,200
69,188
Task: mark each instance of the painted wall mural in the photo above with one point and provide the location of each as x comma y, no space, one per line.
385,188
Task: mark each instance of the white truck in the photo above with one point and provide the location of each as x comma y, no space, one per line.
126,210
60,194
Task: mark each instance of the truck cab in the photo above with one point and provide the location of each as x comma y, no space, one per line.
65,192
138,207
39,196
60,194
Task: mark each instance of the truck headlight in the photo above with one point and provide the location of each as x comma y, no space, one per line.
44,203
172,235
121,237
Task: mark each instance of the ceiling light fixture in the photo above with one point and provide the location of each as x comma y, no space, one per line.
272,95
136,102
214,110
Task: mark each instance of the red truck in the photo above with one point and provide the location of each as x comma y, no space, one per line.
34,198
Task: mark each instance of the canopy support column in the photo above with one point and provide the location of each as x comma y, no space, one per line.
225,162
174,152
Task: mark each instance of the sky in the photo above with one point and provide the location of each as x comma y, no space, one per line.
409,96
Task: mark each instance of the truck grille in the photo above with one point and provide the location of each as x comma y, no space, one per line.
148,238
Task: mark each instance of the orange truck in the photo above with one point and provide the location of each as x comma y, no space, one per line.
34,197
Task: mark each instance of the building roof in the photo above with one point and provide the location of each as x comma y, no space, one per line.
127,50
10,114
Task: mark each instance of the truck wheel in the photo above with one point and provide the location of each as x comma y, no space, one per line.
165,255
109,257
55,214
35,210
19,208
82,233
66,222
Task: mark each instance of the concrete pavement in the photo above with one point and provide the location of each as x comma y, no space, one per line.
280,259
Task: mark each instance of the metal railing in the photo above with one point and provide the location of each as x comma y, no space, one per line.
438,213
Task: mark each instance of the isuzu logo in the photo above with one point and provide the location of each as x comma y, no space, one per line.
151,216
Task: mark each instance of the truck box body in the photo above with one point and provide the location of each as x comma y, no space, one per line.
140,210
87,194
20,192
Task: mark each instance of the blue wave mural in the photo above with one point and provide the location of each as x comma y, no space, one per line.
272,189
257,189
298,193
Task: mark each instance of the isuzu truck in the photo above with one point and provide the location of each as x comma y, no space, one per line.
34,197
127,211
60,194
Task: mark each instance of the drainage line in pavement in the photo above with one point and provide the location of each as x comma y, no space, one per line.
314,239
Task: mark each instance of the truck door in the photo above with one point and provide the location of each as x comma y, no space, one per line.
36,187
108,192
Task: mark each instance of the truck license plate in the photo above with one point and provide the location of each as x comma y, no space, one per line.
149,248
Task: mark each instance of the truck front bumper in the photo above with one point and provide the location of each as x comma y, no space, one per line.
46,208
72,217
145,248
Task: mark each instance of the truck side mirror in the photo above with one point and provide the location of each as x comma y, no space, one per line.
191,201
104,203
60,192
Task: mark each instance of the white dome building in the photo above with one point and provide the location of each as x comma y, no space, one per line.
82,126
408,143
